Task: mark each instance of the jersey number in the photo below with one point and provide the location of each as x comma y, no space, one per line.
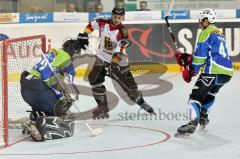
222,49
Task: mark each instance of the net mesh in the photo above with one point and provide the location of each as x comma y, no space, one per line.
22,54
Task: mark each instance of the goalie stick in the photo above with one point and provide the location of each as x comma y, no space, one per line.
94,132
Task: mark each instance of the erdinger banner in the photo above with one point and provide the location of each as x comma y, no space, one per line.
152,42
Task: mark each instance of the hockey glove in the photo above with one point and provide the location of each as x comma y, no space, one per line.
82,40
117,57
183,59
187,75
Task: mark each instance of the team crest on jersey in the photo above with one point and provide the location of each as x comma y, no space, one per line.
109,46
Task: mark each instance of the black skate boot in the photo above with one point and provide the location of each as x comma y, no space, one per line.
140,101
187,129
203,121
101,113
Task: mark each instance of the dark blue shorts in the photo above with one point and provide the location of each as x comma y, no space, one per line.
38,95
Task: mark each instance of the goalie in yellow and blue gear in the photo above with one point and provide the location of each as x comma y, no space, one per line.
41,89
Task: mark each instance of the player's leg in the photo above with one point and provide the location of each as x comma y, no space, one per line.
210,98
96,78
202,87
123,76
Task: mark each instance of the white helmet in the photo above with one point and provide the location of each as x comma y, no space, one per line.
208,13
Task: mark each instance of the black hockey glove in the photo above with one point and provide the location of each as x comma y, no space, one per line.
82,40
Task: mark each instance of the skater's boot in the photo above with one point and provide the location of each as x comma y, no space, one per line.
189,128
101,113
30,128
99,94
140,101
203,121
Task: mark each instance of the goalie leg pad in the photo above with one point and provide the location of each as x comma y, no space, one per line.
52,127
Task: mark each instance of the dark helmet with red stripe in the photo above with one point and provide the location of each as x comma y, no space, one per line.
118,11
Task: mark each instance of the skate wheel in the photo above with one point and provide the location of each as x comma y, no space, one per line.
182,135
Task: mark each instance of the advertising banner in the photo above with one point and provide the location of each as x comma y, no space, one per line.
221,14
238,13
177,14
149,42
70,17
143,15
152,42
9,17
93,15
36,17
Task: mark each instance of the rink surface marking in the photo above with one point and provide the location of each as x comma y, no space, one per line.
165,138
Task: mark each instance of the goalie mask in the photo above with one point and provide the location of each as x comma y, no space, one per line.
71,47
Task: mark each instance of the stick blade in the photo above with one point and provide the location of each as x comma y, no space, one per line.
97,132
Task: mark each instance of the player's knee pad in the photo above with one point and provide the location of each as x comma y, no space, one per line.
197,95
52,127
209,100
194,109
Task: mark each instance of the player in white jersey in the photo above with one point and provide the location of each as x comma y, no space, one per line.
111,56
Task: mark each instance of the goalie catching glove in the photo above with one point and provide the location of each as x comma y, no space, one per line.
183,59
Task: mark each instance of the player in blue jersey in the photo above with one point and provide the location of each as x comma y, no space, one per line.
211,54
42,90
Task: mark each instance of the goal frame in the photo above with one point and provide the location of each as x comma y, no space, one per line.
4,95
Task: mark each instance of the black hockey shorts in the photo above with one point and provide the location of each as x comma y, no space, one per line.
121,74
37,94
208,83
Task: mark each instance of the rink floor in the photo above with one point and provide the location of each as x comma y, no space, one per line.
129,134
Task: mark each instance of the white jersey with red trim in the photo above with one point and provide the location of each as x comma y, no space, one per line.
112,39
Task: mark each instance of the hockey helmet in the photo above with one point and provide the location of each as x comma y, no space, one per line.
209,13
118,11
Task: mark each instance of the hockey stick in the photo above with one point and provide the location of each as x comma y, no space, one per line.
174,39
171,34
95,132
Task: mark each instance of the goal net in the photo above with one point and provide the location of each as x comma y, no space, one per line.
16,55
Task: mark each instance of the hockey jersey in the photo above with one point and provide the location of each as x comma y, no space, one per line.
112,38
60,62
211,53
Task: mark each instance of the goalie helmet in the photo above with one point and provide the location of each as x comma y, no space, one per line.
71,47
208,13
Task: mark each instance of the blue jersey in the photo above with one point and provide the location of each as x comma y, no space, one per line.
211,53
61,63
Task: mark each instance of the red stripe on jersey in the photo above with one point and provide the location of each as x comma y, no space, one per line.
119,36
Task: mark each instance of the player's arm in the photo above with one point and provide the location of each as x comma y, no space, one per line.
123,42
95,24
199,57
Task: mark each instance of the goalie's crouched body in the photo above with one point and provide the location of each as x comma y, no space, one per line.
43,90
